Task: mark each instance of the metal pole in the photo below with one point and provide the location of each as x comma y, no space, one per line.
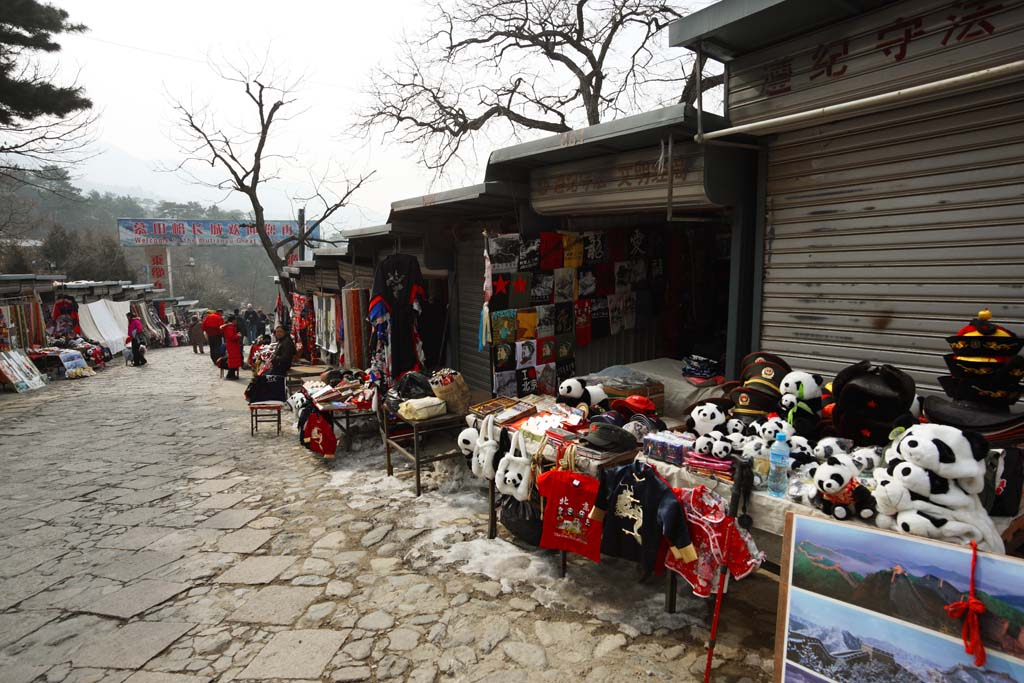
302,232
170,273
700,92
975,77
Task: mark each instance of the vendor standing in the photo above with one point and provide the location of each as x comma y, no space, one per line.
195,335
233,347
212,323
284,352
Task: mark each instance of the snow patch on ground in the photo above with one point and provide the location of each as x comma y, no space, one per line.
453,511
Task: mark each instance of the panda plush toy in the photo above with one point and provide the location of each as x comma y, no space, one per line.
722,449
773,426
705,418
840,494
574,391
829,446
946,451
801,402
800,452
867,458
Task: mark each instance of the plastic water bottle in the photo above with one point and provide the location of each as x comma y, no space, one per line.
778,475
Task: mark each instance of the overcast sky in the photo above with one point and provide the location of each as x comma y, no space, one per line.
137,54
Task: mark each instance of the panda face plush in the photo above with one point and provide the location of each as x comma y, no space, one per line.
755,448
297,400
803,385
705,444
830,446
735,426
775,425
833,475
866,459
721,449
705,418
799,446
467,440
946,451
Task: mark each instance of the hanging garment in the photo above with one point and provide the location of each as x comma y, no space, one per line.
396,301
569,499
638,508
717,538
355,312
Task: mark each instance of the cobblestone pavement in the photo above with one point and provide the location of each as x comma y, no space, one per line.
147,537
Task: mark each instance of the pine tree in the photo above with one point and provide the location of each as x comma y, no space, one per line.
26,93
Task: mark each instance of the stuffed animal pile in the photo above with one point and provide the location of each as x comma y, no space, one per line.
925,482
930,483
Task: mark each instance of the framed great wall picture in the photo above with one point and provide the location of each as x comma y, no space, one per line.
862,605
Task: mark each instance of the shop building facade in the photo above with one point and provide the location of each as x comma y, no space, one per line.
888,192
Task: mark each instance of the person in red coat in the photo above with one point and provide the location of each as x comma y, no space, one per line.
212,324
233,346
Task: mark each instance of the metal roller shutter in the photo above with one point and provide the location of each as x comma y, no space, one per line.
474,365
887,232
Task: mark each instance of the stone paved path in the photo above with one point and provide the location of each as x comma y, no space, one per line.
147,538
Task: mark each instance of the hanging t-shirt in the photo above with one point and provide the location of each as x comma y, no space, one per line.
543,288
529,253
319,436
396,301
550,250
526,323
567,524
572,249
583,323
520,289
638,509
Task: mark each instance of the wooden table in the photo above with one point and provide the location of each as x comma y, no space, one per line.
348,412
417,429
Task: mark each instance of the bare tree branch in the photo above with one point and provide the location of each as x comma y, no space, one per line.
547,65
242,155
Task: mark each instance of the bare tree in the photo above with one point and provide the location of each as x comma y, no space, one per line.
244,156
545,65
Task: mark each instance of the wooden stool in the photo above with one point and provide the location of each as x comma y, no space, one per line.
265,412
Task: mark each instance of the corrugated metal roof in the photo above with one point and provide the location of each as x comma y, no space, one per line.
730,28
620,135
465,203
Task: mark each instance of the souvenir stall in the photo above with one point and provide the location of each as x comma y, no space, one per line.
22,327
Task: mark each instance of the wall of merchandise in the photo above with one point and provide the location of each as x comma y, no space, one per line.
556,293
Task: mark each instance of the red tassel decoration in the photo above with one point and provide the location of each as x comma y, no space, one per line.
969,610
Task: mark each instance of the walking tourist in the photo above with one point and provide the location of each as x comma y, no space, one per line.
212,323
232,346
195,335
136,334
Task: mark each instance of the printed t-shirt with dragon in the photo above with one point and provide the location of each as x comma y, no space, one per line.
639,510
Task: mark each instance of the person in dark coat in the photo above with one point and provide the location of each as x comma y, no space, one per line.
233,347
284,352
196,336
251,318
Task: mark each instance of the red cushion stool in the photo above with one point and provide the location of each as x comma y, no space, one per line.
265,412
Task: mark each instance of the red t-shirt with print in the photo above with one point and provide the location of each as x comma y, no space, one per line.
567,525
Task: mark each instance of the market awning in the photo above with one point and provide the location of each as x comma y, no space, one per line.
622,166
627,134
15,283
729,28
480,201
